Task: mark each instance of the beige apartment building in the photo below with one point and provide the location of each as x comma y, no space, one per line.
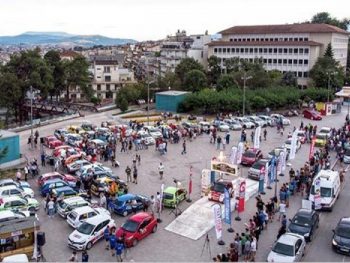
289,47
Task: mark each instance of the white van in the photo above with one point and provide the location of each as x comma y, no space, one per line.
329,183
67,205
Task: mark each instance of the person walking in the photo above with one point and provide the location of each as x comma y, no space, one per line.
26,171
74,257
128,174
135,176
51,208
84,256
152,204
161,171
227,138
106,236
138,157
42,157
218,143
112,241
18,175
184,147
282,210
119,247
265,134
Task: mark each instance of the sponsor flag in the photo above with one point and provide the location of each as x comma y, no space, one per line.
161,198
293,146
227,203
312,148
240,149
233,155
217,220
257,137
241,196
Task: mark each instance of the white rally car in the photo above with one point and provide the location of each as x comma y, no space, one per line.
81,214
89,232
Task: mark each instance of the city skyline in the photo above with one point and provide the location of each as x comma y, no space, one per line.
153,19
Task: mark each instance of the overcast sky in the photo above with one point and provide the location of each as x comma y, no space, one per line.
154,19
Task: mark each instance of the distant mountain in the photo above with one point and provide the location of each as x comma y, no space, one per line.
61,38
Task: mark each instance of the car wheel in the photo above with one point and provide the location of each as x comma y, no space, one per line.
27,196
89,245
134,242
125,213
154,229
244,127
310,237
31,209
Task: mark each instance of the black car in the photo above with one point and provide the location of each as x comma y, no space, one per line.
304,223
341,236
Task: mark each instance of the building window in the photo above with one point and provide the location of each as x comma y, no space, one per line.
306,74
98,87
215,50
295,39
285,61
219,49
235,40
251,50
301,39
239,40
107,78
248,39
270,61
300,62
107,69
266,39
260,50
276,39
306,51
301,51
265,60
242,50
246,50
295,51
233,50
306,39
290,61
265,50
271,39
300,74
280,50
224,50
279,61
262,40
270,50
255,50
290,39
295,61
306,61
286,39
237,50
285,50
275,61
108,87
290,50
275,50
251,60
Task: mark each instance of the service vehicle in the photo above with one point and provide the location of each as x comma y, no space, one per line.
89,232
217,190
172,196
254,171
80,214
128,203
137,227
305,222
250,156
320,139
17,203
328,183
341,236
14,190
52,142
312,114
289,247
67,205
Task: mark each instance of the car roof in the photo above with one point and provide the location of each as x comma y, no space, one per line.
6,213
50,174
305,212
6,181
73,199
289,238
97,219
10,198
254,150
345,221
126,197
64,188
139,216
170,190
7,187
55,180
83,209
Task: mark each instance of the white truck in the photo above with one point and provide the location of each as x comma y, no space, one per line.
325,190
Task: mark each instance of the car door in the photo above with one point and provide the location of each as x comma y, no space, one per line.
17,205
144,228
15,192
5,193
298,250
98,233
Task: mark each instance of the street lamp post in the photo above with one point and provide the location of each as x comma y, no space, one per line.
31,118
329,74
244,78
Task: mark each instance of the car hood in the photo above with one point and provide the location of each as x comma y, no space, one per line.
301,230
32,201
28,191
342,240
78,237
102,211
274,257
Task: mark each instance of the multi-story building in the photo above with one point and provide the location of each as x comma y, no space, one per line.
175,48
291,47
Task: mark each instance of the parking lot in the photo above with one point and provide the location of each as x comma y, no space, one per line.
167,246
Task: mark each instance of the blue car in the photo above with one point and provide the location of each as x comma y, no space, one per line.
128,203
52,184
66,191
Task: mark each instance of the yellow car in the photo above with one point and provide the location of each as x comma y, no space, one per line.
321,139
74,129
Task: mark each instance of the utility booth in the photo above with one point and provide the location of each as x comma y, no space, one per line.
17,236
9,146
169,100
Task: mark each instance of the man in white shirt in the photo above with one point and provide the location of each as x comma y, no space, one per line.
161,170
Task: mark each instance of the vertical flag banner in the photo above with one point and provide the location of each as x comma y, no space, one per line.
241,196
227,203
312,148
161,198
273,169
217,220
283,160
267,173
317,196
293,146
257,137
261,179
240,149
233,155
279,164
205,182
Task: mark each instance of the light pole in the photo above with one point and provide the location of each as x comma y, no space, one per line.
31,118
244,78
329,74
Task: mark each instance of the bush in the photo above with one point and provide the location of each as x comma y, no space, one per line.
95,100
122,103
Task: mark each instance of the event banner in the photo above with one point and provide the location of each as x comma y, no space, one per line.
312,148
217,220
317,196
257,137
223,167
227,203
241,202
233,155
273,170
240,150
293,146
266,173
283,160
161,198
279,164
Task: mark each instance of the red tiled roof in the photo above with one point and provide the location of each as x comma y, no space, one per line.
69,53
287,29
264,43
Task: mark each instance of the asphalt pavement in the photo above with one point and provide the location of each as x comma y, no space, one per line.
167,246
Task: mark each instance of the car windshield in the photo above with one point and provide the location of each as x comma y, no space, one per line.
249,154
130,226
85,228
119,203
302,220
324,131
283,249
321,136
326,192
168,196
257,165
288,142
219,187
343,231
62,204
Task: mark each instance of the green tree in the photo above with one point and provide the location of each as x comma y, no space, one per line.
54,61
122,103
11,92
326,18
195,80
275,77
169,80
77,74
214,70
226,81
289,79
232,65
185,66
329,51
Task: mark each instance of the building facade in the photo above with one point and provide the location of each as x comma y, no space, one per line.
286,48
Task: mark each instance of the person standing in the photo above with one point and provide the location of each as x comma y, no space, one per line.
26,171
51,208
128,174
161,171
112,241
153,204
138,157
119,250
135,175
84,256
74,257
42,157
218,142
265,134
18,175
106,236
227,138
184,147
103,200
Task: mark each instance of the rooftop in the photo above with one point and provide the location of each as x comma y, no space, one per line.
264,43
172,93
284,29
18,224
